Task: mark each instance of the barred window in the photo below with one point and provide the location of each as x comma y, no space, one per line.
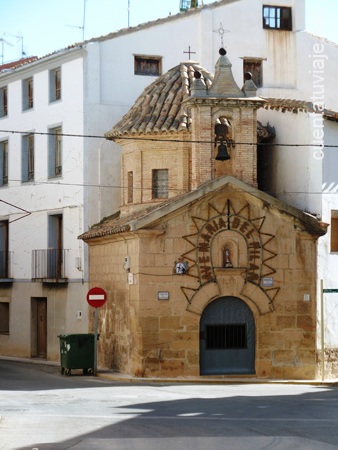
160,183
130,194
232,336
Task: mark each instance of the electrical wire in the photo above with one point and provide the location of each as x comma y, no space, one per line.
93,136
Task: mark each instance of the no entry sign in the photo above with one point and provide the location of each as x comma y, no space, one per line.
96,297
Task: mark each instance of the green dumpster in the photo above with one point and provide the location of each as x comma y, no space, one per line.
77,352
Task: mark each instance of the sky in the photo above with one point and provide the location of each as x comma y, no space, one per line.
40,27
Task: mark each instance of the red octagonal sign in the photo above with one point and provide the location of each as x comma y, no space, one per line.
96,297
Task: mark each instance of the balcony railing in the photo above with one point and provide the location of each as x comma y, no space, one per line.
5,265
49,265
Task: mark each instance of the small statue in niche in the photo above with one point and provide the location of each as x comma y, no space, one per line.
226,258
181,267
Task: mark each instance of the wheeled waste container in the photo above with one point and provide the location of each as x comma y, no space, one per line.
77,352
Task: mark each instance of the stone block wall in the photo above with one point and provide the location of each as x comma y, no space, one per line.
147,336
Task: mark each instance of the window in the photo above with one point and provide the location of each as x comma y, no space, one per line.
254,66
226,336
27,168
55,84
27,94
4,254
277,18
148,65
55,152
4,318
3,163
3,102
55,245
160,183
334,231
130,187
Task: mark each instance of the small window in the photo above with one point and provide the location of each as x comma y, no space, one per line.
277,18
3,102
160,183
27,158
55,152
148,65
55,84
4,245
27,94
3,163
4,318
130,187
226,336
255,67
334,231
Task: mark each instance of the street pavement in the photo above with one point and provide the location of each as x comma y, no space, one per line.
41,409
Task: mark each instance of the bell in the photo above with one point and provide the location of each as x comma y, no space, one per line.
222,154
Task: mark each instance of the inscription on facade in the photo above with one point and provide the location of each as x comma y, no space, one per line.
234,223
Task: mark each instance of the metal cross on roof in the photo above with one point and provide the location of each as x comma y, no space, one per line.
221,31
190,52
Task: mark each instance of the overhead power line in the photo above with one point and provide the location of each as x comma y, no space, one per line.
93,136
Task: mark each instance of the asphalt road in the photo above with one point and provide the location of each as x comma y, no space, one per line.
40,409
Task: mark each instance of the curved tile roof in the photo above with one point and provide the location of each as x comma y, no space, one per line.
159,108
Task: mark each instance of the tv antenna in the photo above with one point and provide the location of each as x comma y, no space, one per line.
83,21
19,37
3,42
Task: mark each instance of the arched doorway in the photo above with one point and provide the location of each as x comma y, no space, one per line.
227,338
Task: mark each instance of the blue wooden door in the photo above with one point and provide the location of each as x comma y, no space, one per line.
227,338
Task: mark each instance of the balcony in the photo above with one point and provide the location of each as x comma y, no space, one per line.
49,266
5,266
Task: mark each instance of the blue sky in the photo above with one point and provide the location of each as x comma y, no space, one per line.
43,26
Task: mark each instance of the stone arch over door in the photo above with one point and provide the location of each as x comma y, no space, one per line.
227,338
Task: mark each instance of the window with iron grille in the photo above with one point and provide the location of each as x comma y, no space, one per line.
55,84
3,163
55,152
277,18
255,67
27,94
334,231
147,65
160,186
230,336
27,163
3,102
130,194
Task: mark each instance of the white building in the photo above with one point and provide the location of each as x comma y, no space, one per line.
76,178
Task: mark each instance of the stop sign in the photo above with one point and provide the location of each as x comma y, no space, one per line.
96,297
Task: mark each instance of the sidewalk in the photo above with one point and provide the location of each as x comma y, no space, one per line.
120,377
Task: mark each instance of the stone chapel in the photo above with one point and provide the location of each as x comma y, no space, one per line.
205,274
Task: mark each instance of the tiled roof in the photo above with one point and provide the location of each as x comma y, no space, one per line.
17,63
159,108
147,217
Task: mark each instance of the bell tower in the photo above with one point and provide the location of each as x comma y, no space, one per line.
224,126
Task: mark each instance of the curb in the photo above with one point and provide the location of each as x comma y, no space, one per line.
125,378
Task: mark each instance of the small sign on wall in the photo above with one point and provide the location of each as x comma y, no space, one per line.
163,295
267,282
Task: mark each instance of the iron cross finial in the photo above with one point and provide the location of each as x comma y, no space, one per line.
221,31
190,52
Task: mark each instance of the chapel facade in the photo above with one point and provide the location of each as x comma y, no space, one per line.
205,274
